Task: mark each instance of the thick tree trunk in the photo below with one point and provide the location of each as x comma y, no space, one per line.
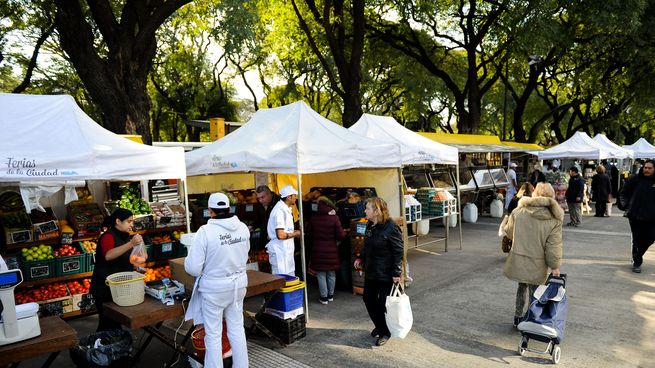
116,78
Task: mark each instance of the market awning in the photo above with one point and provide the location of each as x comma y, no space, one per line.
528,147
472,143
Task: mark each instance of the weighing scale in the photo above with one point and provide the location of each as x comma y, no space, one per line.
18,322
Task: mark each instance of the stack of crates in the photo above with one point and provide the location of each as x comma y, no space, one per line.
432,202
287,302
413,210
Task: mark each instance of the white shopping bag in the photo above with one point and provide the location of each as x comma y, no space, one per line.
399,312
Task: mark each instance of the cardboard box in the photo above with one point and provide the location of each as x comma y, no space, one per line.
178,273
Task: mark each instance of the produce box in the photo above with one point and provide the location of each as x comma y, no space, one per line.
288,330
169,214
11,201
86,218
89,249
17,226
70,261
56,307
78,289
44,224
164,247
179,274
36,270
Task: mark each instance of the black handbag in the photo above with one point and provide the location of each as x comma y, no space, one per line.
506,244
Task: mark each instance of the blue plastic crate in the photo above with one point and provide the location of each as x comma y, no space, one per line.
288,298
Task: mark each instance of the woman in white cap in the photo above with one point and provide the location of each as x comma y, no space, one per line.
281,231
218,258
511,189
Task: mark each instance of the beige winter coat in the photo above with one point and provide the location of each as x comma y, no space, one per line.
535,228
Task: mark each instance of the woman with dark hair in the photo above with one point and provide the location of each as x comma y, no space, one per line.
382,258
112,256
325,229
525,191
601,189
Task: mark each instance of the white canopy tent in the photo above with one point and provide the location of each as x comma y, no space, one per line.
293,139
415,149
641,149
49,138
49,143
580,145
613,149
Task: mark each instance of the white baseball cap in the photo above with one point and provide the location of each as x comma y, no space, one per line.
218,200
287,191
512,164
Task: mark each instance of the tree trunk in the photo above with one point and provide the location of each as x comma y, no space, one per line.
116,78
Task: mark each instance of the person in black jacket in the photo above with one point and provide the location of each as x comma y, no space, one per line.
537,176
638,197
574,195
112,256
382,258
601,190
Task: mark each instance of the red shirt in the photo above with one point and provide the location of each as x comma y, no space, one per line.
106,244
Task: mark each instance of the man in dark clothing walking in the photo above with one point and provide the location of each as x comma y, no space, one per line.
574,195
638,196
601,190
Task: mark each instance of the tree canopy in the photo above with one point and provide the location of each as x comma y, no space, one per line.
530,71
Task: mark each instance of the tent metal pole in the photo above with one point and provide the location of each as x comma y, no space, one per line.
186,203
302,244
404,229
459,204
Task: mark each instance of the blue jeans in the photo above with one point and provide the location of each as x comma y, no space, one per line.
326,281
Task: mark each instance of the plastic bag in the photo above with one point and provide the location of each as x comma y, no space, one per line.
399,316
139,255
102,349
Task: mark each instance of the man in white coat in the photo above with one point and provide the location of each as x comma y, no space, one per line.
281,232
218,258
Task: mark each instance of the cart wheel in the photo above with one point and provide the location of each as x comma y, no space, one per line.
523,344
557,353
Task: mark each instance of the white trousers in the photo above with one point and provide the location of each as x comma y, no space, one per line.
281,259
215,307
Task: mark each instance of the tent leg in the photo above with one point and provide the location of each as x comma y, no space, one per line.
459,207
186,203
401,188
302,245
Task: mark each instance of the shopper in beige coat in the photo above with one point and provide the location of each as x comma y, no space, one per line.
535,228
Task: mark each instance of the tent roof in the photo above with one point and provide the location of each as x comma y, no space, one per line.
613,149
414,148
292,139
580,145
529,147
642,149
49,138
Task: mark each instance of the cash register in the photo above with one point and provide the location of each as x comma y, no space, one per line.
18,322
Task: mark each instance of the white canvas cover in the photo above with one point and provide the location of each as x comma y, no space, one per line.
641,149
49,138
613,149
292,139
414,148
580,145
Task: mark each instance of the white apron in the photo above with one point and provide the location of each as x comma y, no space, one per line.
280,256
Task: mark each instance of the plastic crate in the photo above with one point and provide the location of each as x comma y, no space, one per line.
182,250
288,330
288,298
37,270
167,250
71,265
90,259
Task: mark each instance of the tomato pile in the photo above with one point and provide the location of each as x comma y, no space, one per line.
66,250
77,287
44,292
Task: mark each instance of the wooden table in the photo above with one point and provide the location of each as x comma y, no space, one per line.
150,314
56,335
